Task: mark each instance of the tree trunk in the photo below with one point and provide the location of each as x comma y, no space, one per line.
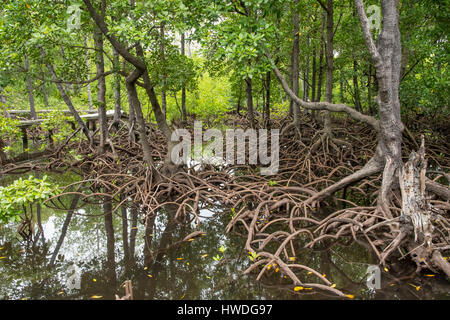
101,95
67,99
330,65
88,86
117,102
314,71
268,82
135,104
183,88
249,91
164,78
30,89
295,60
357,95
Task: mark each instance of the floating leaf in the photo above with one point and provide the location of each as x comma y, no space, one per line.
416,287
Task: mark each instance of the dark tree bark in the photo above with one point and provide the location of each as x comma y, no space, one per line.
183,88
88,75
295,60
356,94
321,65
101,95
164,77
314,71
117,95
330,65
249,91
267,111
30,89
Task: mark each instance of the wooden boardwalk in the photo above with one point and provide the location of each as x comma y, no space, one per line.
90,120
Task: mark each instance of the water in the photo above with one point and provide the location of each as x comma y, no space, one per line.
192,270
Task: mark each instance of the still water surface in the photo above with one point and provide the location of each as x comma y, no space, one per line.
209,267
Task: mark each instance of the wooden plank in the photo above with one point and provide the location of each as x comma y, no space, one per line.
47,111
86,117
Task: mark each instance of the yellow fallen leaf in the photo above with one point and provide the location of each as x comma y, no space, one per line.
386,269
179,258
416,287
298,288
204,255
96,297
277,269
187,263
309,272
269,267
333,285
24,299
1,248
324,275
429,275
191,239
61,292
150,276
350,296
145,268
182,297
292,258
2,258
28,6
95,280
445,258
307,288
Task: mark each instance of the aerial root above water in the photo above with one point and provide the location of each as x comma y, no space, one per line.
308,203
